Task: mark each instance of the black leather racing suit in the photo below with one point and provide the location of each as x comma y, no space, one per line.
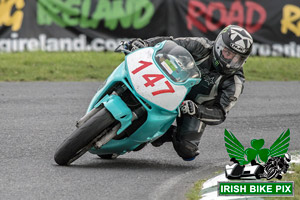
215,95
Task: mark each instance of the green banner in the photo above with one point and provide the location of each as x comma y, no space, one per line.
256,188
70,13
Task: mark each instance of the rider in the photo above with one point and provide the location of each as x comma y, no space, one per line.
280,164
222,78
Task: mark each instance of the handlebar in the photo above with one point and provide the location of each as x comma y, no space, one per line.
123,48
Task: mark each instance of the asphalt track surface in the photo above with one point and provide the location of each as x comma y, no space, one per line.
36,117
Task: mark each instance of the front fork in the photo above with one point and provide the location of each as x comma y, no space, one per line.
98,107
117,107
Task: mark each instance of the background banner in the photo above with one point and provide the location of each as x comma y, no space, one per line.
99,25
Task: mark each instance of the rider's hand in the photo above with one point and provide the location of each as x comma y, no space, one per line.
137,44
188,107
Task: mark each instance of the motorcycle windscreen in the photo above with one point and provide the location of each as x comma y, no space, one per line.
177,62
150,83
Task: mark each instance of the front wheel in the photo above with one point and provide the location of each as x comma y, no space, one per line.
83,138
272,172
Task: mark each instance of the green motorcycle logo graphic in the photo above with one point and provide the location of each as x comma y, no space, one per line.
236,150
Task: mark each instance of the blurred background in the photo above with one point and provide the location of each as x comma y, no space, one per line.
99,26
47,45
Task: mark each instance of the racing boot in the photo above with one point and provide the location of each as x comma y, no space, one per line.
167,137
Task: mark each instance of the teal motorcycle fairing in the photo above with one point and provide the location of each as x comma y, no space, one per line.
158,78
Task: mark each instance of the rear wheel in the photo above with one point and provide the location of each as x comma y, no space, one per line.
83,138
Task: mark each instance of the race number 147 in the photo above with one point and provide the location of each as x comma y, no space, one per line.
151,79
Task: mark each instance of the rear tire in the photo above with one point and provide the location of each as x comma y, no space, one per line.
83,138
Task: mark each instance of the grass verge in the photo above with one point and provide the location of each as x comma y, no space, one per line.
272,69
194,192
58,66
96,66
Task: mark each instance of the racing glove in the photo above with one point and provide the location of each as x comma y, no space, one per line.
210,116
188,107
136,44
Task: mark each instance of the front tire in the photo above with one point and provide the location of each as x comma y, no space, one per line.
272,172
83,138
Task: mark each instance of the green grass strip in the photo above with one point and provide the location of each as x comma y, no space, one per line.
96,66
194,192
272,69
58,66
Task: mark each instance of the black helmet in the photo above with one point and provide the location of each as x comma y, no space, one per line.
231,49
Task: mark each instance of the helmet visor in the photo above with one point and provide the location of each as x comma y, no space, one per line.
232,60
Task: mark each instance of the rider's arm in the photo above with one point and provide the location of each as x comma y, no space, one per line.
153,41
229,92
211,115
199,47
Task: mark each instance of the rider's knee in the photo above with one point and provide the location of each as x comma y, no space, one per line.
185,149
187,137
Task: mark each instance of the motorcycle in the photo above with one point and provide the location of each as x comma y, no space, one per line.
274,168
138,103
